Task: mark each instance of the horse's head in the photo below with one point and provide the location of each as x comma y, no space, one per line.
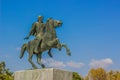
54,23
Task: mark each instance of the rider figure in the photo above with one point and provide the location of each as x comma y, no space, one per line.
37,30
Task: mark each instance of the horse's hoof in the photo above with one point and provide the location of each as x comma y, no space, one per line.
50,55
21,56
35,67
59,49
69,54
43,66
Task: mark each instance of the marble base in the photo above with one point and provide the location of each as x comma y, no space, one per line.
43,74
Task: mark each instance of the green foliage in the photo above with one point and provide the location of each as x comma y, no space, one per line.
76,76
5,74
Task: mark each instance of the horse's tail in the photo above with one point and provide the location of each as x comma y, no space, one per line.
23,49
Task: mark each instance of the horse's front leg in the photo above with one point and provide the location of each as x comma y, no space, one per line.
67,49
49,53
39,56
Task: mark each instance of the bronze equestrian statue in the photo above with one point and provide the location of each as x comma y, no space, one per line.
46,39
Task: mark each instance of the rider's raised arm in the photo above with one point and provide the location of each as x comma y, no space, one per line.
32,31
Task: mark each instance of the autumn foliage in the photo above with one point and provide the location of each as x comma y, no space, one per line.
102,74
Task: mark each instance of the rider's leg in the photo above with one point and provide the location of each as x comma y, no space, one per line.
37,45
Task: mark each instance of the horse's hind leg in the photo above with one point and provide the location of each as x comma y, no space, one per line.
67,49
39,60
30,60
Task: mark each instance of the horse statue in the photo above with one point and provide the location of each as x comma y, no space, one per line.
49,41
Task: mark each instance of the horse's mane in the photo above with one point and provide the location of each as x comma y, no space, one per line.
49,24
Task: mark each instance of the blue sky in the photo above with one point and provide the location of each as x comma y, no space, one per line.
91,29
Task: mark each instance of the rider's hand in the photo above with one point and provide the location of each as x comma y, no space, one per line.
26,38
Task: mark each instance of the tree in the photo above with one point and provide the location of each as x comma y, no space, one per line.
97,74
5,74
113,75
86,78
76,76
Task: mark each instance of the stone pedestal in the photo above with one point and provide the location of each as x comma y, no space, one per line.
43,74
